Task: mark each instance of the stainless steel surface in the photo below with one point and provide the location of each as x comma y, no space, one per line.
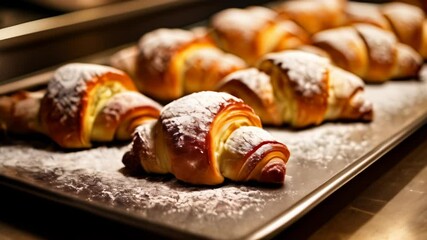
35,45
392,207
323,159
73,5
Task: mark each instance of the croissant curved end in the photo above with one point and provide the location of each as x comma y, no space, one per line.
132,163
273,172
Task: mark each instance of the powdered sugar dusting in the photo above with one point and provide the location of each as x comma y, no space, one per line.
401,14
245,138
344,89
408,59
122,102
160,44
69,84
209,57
381,43
365,13
257,81
95,175
306,70
337,142
245,22
343,39
230,211
189,118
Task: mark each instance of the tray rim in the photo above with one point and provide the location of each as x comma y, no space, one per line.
269,230
278,223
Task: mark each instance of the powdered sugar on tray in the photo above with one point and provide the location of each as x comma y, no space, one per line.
231,210
96,175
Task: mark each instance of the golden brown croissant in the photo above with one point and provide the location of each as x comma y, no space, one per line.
205,137
19,112
408,22
299,88
82,103
254,31
314,15
370,52
169,63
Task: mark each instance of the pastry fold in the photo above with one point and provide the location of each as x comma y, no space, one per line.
170,63
300,89
82,103
254,31
205,137
370,52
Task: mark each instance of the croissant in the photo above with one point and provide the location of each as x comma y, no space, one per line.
300,89
369,52
254,31
313,15
184,61
82,103
19,112
408,22
205,137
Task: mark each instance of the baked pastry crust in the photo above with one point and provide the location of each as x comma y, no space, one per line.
236,31
205,137
299,89
82,103
184,61
370,52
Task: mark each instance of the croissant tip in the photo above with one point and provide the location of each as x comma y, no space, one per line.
131,163
273,172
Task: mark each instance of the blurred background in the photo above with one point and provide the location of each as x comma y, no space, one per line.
16,12
36,34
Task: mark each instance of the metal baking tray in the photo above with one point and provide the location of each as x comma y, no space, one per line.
323,159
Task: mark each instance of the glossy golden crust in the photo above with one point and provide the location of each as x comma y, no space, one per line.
190,138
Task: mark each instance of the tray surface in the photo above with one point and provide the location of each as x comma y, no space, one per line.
323,158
